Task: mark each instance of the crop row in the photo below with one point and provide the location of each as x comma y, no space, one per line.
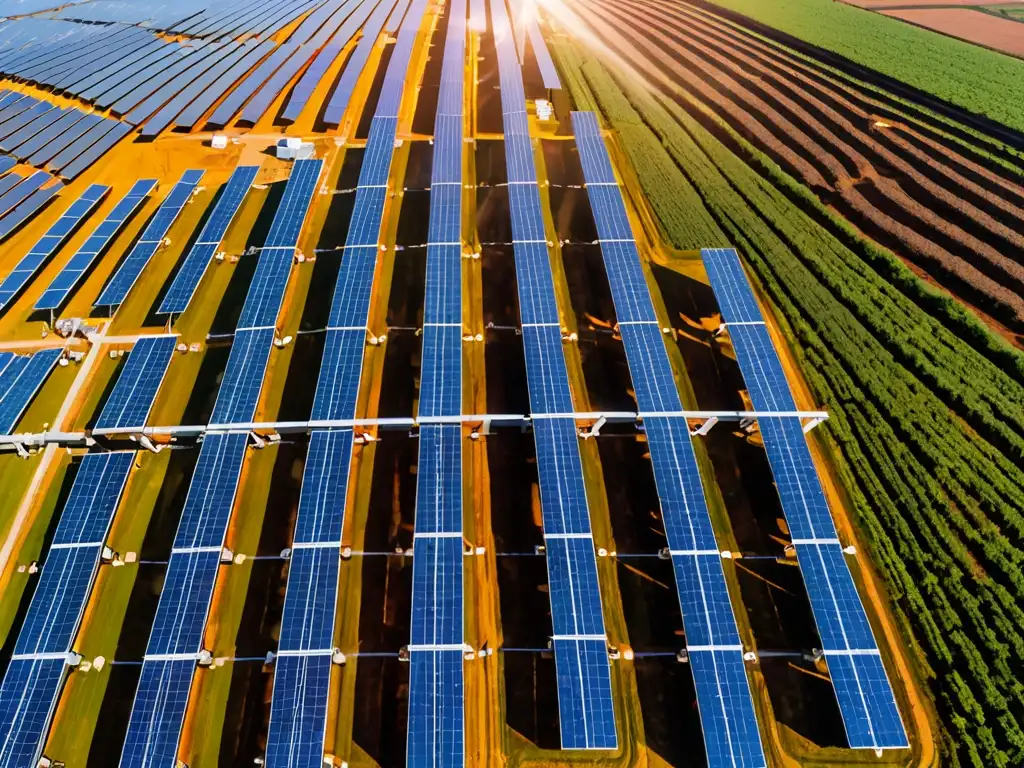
926,406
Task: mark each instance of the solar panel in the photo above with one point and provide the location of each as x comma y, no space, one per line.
28,697
19,392
10,199
240,95
866,699
57,606
6,163
59,290
46,152
175,639
50,243
586,710
728,720
298,710
132,398
27,209
287,223
193,268
158,713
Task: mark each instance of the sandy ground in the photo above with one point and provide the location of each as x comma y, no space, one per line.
973,26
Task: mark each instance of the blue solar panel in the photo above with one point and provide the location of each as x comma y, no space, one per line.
338,386
443,302
240,388
307,623
727,717
729,282
28,697
26,209
184,603
94,497
18,392
284,230
151,238
439,480
560,474
441,371
437,591
58,291
158,713
57,605
868,706
49,243
536,286
130,402
58,601
585,710
731,735
572,576
298,711
10,199
193,268
436,735
545,370
324,487
870,715
89,148
212,492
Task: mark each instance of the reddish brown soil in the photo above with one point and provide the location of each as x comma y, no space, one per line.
1003,35
951,212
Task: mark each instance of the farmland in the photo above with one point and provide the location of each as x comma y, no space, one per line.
958,72
927,433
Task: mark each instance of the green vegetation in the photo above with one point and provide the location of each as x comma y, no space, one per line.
967,75
927,426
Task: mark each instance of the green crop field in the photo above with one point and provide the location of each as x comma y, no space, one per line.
971,77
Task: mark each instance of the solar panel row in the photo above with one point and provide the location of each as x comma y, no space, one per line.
866,699
132,397
436,730
175,640
64,283
586,711
298,708
152,237
186,281
26,209
548,73
19,383
33,681
731,734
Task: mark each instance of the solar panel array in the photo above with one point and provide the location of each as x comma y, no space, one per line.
586,712
50,243
436,725
866,700
64,283
118,287
35,676
175,640
713,644
298,710
243,379
129,403
186,281
20,380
